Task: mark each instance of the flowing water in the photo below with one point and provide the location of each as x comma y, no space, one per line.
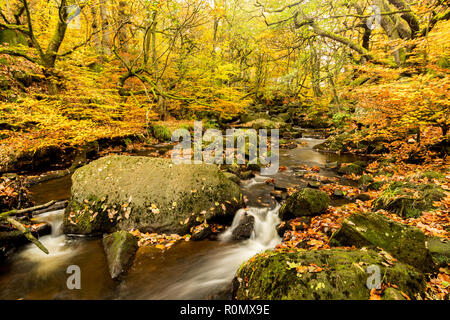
189,270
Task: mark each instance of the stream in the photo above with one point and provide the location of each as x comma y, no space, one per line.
189,270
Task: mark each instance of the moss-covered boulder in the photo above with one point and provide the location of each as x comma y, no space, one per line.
409,199
365,180
440,250
392,294
307,202
265,124
335,274
351,168
403,242
149,194
120,249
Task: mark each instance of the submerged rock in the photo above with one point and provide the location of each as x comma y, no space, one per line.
335,274
149,194
245,228
307,202
403,242
120,249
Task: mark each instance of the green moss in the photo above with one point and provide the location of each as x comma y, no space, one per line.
405,243
408,199
307,202
430,175
161,132
366,180
280,276
351,168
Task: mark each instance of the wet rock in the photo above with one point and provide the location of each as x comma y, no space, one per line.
314,184
339,275
204,233
403,242
278,195
149,194
363,197
409,199
120,249
246,175
440,250
338,193
376,185
307,202
245,228
351,168
331,165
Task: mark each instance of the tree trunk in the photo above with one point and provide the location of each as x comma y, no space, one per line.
106,30
95,30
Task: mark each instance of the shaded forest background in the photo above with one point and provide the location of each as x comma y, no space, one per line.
74,72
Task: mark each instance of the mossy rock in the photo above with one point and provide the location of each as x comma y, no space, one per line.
351,168
408,199
120,249
232,177
149,194
265,124
440,250
282,276
403,242
307,202
366,180
376,185
392,294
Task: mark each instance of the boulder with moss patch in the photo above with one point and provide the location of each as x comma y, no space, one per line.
409,199
403,242
307,202
149,194
335,274
351,168
120,249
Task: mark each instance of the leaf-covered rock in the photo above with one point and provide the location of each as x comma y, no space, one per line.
149,194
307,202
335,274
403,242
120,249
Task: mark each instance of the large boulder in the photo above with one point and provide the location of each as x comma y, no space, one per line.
403,242
149,194
307,202
409,199
335,274
120,249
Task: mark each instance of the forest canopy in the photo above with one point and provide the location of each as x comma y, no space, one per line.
112,67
